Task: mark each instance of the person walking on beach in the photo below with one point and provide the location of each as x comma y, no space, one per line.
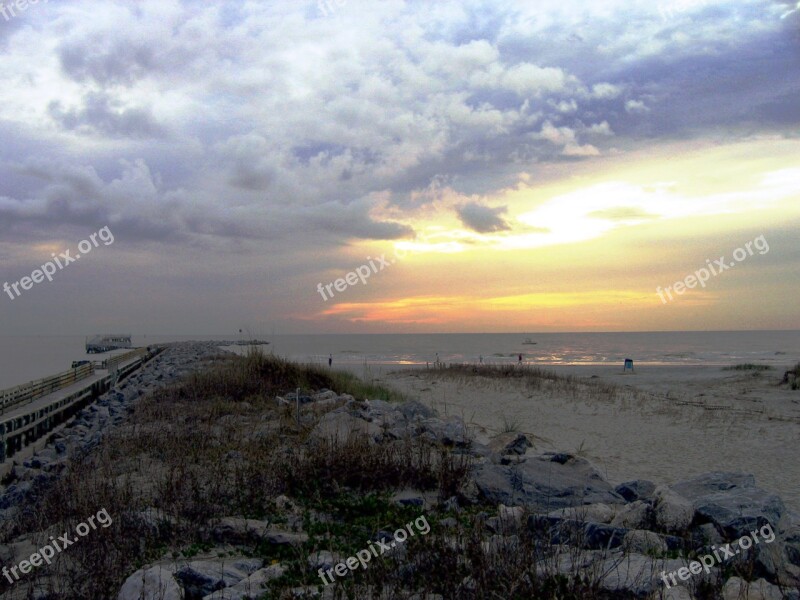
330,360
520,360
481,358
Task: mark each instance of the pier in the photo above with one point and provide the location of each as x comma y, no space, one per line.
31,411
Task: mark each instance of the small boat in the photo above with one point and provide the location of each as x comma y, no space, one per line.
528,342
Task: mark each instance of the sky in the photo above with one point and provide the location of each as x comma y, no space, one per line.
486,166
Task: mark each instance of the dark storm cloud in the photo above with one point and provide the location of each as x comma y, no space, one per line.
483,219
101,115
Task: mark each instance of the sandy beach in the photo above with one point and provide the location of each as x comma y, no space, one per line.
670,423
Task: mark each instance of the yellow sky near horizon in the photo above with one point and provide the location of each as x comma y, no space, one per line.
588,244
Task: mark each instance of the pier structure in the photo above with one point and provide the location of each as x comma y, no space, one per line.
31,411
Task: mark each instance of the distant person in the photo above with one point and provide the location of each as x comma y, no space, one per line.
481,358
520,360
330,360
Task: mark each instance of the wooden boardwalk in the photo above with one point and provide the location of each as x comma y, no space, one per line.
32,411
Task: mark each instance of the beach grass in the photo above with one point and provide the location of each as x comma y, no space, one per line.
218,445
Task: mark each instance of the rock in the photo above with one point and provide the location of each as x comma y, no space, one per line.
676,593
732,502
636,515
640,489
325,396
251,587
644,542
592,513
409,498
155,583
738,589
235,530
285,538
200,578
413,409
544,483
674,513
634,574
598,536
322,559
449,432
518,446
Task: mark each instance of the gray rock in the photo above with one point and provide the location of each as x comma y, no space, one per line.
413,409
323,559
154,583
251,587
635,574
738,589
518,446
409,498
449,432
673,512
285,538
235,530
198,583
732,502
640,489
544,483
636,515
644,542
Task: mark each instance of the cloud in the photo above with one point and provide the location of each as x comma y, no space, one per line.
636,107
102,115
483,219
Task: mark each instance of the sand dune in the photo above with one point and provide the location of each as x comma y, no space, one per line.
668,423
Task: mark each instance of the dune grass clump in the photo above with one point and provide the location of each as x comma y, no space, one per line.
749,367
258,375
796,380
217,445
534,378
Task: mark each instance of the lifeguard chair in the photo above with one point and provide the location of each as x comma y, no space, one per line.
628,365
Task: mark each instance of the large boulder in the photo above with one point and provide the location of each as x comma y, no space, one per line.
732,502
739,589
154,583
251,587
673,512
640,489
544,483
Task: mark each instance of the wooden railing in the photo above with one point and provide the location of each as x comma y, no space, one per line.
41,387
113,362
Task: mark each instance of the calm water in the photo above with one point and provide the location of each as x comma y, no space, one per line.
30,357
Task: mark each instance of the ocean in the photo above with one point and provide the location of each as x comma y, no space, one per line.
25,358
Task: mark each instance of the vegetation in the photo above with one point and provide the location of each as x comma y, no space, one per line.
749,367
218,445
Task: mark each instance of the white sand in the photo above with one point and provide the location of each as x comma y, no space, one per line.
676,422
